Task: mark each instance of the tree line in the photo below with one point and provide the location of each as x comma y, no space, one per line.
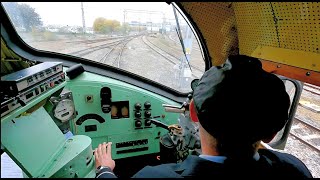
107,26
23,16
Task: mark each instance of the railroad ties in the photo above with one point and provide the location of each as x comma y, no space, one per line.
306,133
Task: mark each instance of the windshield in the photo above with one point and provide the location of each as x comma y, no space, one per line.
141,38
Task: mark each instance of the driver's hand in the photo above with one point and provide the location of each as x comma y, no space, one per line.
103,157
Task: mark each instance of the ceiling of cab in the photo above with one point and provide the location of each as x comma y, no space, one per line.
279,32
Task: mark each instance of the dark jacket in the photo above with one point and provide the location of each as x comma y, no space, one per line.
271,164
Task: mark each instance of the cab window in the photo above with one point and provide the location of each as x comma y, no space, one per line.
141,38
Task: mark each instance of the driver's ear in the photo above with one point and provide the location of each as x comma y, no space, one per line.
267,140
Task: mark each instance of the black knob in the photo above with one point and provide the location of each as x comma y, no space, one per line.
197,145
138,123
147,123
137,114
137,106
147,105
190,96
147,114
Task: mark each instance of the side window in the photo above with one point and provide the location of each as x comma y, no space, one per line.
141,38
294,90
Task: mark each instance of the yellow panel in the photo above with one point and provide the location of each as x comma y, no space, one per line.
217,23
255,26
281,29
302,59
289,32
299,25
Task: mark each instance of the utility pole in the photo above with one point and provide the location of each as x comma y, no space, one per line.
124,22
83,22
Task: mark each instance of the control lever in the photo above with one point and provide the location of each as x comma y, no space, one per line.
173,127
160,124
176,109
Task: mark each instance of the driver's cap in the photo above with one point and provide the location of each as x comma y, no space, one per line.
240,99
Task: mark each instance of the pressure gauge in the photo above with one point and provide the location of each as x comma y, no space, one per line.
64,110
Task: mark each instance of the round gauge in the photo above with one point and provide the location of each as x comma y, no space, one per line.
125,112
64,110
114,110
194,84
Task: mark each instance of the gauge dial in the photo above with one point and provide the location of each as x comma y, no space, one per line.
64,110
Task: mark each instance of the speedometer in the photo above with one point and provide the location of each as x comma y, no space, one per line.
64,110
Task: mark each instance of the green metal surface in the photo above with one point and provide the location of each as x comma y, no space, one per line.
118,130
38,146
32,141
75,160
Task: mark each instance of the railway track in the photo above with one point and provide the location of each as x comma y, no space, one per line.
103,59
169,57
87,51
116,61
303,131
91,41
177,50
312,88
306,133
111,44
172,55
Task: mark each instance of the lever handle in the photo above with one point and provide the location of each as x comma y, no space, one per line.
174,110
160,124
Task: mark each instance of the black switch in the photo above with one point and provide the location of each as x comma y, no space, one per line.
147,123
147,105
137,106
138,123
137,114
147,114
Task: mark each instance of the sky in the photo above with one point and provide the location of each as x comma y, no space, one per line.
69,13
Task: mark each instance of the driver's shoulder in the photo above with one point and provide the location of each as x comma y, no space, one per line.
173,170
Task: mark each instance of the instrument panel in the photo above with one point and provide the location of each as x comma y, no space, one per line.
111,110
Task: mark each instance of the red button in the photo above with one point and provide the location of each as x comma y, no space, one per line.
51,84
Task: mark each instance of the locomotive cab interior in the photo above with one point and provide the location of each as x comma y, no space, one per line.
57,107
